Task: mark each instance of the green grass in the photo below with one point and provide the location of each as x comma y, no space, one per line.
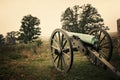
22,64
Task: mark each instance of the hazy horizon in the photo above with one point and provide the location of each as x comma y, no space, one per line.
49,13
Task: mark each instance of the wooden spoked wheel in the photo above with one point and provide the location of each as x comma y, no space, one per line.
61,50
104,46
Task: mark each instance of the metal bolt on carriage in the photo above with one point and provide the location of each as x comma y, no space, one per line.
97,46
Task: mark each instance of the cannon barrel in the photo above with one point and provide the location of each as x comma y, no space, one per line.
90,39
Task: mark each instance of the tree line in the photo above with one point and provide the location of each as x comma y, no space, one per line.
29,31
80,19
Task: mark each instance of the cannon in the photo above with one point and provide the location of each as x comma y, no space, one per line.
97,46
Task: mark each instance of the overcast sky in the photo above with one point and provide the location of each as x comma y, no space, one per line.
49,12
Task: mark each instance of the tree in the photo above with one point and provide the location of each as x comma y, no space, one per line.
83,18
12,37
69,19
29,30
90,19
2,39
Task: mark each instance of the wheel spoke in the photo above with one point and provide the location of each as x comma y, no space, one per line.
61,63
102,39
59,38
65,66
58,63
56,58
66,55
62,40
65,50
56,38
54,47
64,44
104,44
105,47
56,43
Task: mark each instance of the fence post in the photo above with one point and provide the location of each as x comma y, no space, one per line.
118,35
118,26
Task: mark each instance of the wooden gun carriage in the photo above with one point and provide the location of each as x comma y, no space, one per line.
97,46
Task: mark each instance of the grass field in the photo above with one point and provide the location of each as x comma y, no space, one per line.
23,64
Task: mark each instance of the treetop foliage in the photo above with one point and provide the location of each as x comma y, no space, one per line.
29,29
82,19
12,37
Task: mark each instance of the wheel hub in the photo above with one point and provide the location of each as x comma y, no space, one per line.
58,52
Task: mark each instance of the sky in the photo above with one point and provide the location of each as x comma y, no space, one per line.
49,12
